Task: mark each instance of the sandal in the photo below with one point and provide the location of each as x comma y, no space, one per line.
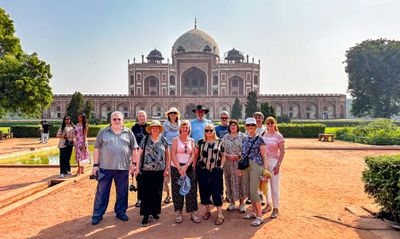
179,218
167,200
219,220
249,216
267,209
195,218
207,215
257,222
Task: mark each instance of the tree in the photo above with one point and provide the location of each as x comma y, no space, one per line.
236,110
251,105
76,106
267,110
24,78
373,69
87,109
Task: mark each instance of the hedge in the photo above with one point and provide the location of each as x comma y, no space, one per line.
382,182
298,130
301,130
337,122
31,131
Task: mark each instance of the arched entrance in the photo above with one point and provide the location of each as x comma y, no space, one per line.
194,82
189,113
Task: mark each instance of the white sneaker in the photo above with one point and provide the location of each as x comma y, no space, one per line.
231,207
242,208
61,175
68,173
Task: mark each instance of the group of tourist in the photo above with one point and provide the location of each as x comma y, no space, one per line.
183,157
72,136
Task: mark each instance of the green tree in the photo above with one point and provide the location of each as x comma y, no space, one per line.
87,109
251,105
267,110
76,106
236,110
24,78
373,69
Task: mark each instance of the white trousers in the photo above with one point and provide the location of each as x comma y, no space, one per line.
273,184
44,138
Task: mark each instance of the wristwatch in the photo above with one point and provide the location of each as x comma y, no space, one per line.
95,165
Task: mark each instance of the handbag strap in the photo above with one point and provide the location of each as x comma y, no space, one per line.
251,146
144,151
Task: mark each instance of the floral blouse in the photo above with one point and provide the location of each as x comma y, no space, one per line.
233,144
69,131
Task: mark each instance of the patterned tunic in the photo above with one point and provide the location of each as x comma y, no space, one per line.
255,153
154,154
235,187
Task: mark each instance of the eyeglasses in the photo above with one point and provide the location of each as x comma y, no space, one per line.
117,119
250,125
208,130
185,148
270,123
67,119
172,113
224,118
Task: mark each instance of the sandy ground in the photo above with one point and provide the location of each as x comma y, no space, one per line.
314,183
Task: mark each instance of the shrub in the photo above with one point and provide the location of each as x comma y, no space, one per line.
382,182
26,131
377,132
284,119
301,130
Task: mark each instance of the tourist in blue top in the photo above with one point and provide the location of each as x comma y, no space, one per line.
222,129
171,130
199,123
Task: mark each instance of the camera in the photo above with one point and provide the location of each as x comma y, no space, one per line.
132,188
94,176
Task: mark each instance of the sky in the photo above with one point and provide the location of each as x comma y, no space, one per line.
301,43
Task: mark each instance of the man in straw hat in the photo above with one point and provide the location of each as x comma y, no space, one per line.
114,148
200,122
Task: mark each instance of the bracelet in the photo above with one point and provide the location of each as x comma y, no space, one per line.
95,165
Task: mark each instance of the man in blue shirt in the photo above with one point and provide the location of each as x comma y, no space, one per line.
222,129
199,123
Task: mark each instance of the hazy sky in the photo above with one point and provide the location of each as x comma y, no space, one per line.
301,43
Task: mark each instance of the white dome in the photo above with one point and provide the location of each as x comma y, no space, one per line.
195,40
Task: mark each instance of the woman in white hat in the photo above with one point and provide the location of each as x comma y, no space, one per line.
254,149
171,130
153,167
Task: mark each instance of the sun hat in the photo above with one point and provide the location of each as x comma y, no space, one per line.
250,120
173,109
155,123
200,107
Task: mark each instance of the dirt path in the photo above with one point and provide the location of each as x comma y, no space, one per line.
313,183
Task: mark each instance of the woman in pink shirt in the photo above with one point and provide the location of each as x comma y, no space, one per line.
275,151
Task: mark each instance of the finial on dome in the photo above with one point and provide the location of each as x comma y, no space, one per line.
195,23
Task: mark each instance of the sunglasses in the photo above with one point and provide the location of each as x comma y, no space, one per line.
270,123
250,125
224,118
208,130
117,119
173,113
67,119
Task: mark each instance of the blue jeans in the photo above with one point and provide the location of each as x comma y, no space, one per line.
121,180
